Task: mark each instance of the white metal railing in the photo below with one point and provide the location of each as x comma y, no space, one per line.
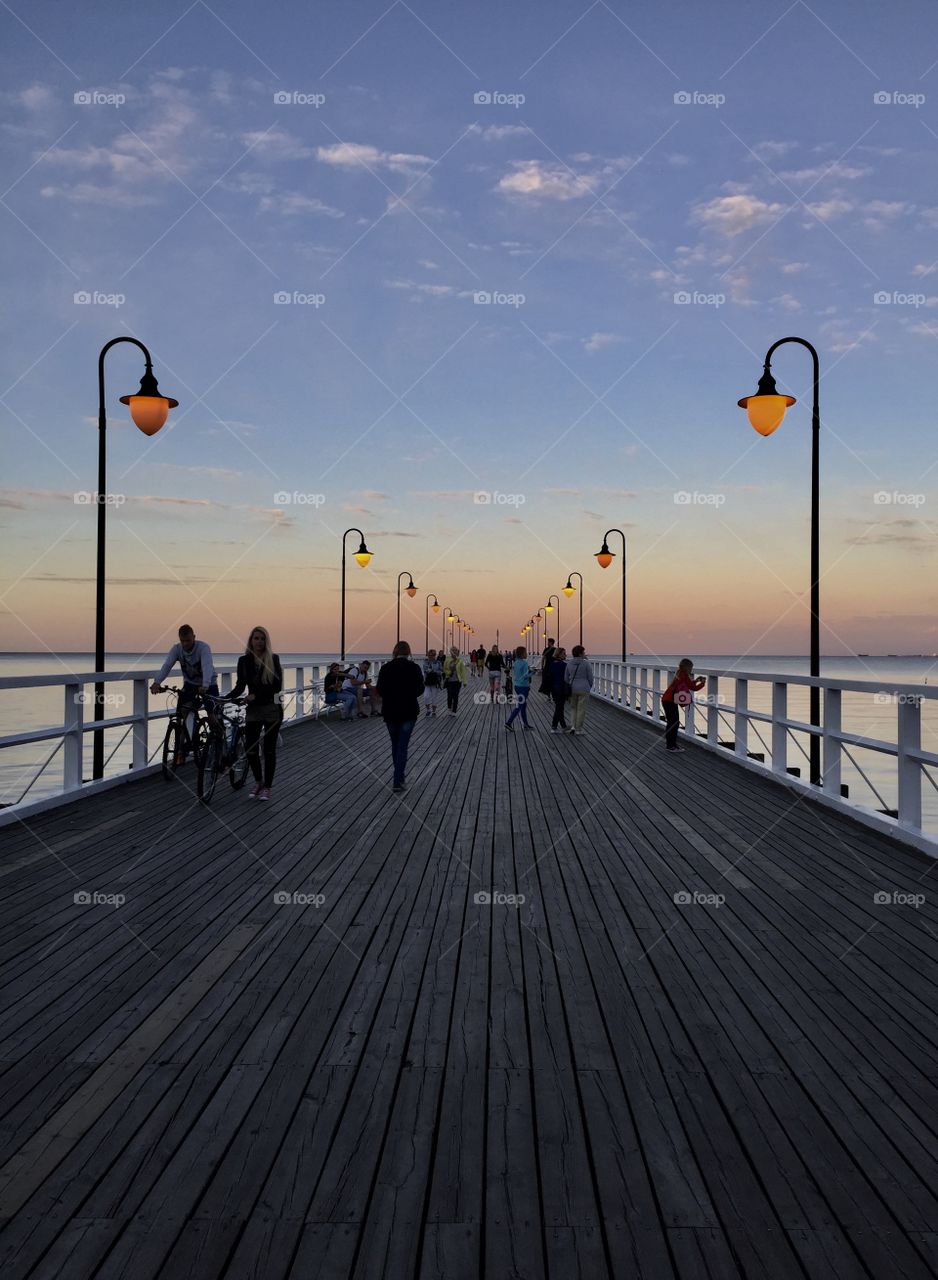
757,725
302,697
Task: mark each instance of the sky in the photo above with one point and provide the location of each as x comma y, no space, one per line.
483,281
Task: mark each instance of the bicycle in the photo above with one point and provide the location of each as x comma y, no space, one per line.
178,743
225,748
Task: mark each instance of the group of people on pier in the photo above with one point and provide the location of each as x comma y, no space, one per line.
397,693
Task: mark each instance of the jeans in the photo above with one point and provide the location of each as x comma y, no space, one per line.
579,701
452,694
672,719
521,709
349,699
400,731
558,721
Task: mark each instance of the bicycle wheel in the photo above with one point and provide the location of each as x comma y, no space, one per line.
170,747
238,768
211,756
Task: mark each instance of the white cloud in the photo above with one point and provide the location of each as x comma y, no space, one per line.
276,144
836,171
828,210
495,132
881,213
733,214
921,269
421,290
294,202
794,268
358,155
549,182
598,341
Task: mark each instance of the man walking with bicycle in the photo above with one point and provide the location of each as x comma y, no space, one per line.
198,673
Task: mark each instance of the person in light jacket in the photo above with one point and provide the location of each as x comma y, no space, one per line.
521,676
580,680
454,677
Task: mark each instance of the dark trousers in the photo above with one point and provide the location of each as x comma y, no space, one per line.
400,731
452,694
558,721
252,740
672,719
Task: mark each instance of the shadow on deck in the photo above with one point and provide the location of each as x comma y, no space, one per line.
698,1047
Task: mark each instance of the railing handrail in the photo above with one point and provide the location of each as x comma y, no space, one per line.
636,687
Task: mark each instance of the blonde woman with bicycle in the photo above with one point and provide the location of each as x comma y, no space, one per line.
260,676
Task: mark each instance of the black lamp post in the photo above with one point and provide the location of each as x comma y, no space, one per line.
411,591
569,590
766,410
436,609
448,617
549,608
362,555
605,558
148,409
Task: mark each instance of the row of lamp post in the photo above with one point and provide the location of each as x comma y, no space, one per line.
149,409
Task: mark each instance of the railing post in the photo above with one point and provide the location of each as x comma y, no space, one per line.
713,710
643,690
779,731
741,720
73,720
832,745
655,709
909,769
298,700
141,722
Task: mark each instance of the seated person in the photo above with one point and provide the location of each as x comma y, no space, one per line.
331,684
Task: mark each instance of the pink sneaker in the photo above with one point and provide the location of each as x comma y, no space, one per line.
264,793
255,791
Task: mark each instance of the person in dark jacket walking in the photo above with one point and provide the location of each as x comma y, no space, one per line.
547,658
400,685
260,675
558,690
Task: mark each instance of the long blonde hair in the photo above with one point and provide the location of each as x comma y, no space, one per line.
266,661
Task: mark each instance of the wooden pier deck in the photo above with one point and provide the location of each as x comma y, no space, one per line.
404,1082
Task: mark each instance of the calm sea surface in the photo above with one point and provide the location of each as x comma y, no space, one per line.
871,715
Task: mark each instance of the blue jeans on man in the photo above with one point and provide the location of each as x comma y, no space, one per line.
400,731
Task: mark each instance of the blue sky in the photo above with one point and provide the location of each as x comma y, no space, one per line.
649,198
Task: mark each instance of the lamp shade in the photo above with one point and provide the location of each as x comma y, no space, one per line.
548,608
435,607
149,408
411,590
363,555
766,408
569,589
605,556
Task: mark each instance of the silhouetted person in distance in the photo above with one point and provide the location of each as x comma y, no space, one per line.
400,685
547,658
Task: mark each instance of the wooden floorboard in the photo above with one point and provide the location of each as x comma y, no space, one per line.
501,1046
